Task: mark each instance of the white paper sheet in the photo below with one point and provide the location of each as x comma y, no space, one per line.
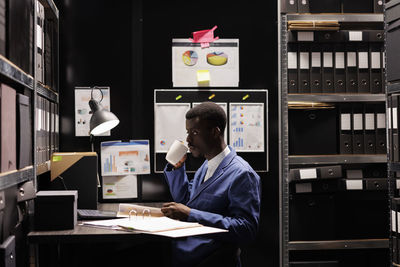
292,60
220,75
170,124
305,36
363,60
308,173
191,232
117,187
125,158
82,109
316,59
246,127
351,59
339,60
328,62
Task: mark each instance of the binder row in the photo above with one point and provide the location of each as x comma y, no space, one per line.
332,6
47,129
15,126
45,53
393,122
362,129
342,36
17,42
335,68
395,229
326,179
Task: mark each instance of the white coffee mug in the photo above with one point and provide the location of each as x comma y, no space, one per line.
176,152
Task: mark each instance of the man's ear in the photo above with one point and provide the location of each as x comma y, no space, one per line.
217,131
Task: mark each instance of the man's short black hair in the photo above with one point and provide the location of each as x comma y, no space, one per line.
210,112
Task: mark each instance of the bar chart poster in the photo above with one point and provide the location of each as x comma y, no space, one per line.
246,127
125,158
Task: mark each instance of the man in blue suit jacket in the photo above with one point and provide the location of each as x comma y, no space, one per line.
225,192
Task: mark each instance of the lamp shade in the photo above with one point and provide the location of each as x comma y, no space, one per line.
102,120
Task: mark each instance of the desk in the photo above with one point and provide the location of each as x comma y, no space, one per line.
90,246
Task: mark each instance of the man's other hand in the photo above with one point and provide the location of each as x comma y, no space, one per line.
176,211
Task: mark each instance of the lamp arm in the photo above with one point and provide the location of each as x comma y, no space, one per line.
91,93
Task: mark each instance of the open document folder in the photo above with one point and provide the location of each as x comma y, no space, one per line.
151,220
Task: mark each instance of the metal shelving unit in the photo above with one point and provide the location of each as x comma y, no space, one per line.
10,71
337,159
9,179
349,18
46,92
336,97
339,244
347,22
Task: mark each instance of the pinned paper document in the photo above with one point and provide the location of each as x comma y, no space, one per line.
204,37
203,77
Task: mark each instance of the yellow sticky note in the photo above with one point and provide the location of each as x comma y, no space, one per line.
203,77
57,158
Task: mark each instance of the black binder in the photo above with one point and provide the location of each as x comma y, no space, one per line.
376,68
304,68
20,18
363,68
340,72
303,6
289,6
358,129
376,35
351,69
327,70
292,69
395,132
381,128
315,75
346,142
24,140
369,129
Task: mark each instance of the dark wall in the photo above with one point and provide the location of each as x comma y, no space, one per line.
127,46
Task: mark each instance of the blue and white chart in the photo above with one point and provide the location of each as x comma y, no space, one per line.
125,158
246,127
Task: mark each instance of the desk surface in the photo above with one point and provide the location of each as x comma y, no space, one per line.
81,234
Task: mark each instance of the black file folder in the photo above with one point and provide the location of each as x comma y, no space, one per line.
376,36
346,142
315,74
380,128
369,129
395,132
376,68
358,129
303,6
289,6
304,68
340,72
24,140
394,210
19,19
327,70
292,69
323,172
351,69
363,68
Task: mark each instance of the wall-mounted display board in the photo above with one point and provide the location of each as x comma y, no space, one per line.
246,130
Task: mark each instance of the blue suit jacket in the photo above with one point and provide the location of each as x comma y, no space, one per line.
230,199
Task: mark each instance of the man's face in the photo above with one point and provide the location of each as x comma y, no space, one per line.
199,136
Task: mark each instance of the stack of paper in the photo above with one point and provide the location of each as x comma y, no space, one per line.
327,25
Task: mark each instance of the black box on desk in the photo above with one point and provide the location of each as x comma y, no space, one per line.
76,171
55,210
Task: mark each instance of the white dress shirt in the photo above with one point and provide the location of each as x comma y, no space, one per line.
213,163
